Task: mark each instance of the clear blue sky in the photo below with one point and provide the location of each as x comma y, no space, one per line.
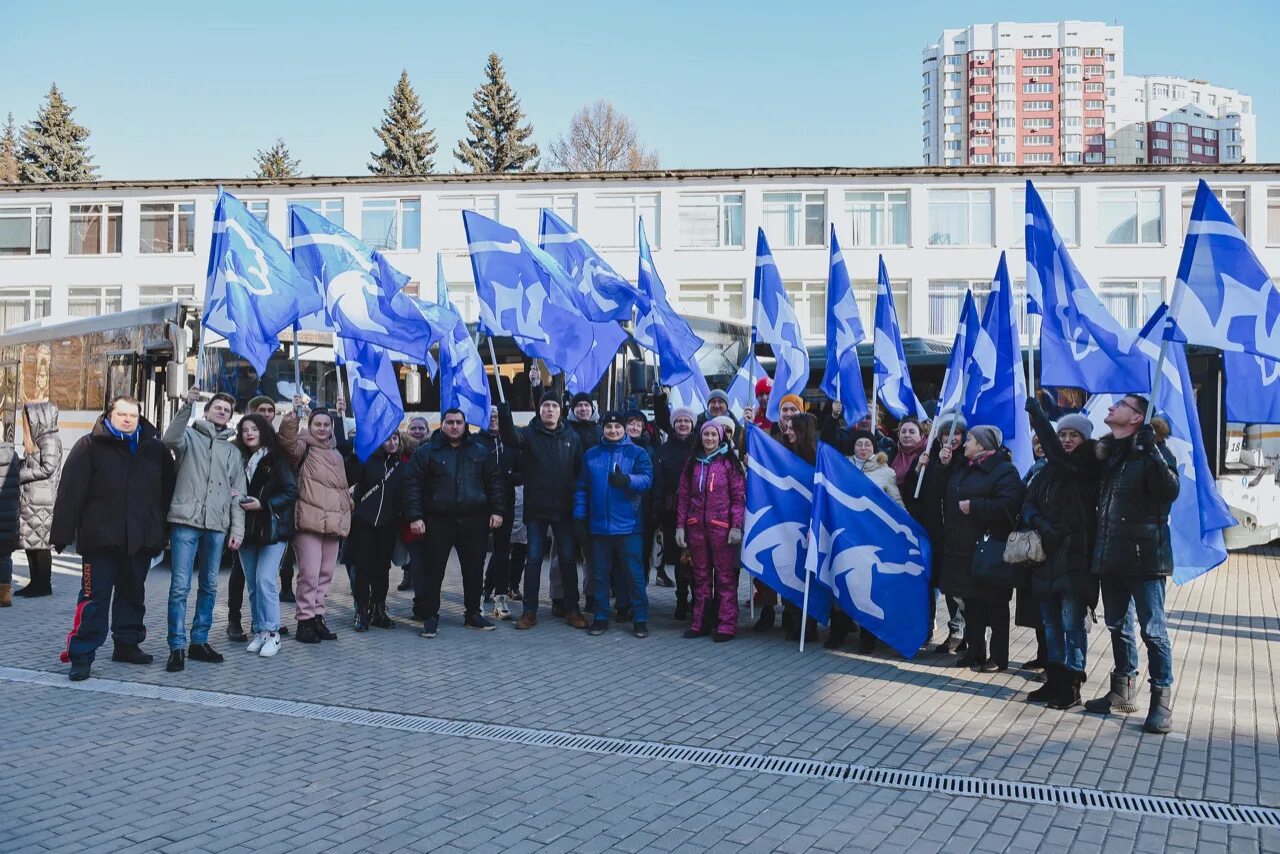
185,90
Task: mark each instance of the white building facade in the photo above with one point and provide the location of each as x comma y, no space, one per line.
85,249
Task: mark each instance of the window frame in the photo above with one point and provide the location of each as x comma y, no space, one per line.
804,204
175,216
97,299
1137,193
970,196
721,293
107,211
173,296
400,209
33,213
723,208
33,298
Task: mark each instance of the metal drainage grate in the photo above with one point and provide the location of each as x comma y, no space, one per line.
757,763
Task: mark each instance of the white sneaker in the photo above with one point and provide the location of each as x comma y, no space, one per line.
259,638
490,608
270,644
500,609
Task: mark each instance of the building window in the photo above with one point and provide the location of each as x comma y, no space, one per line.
1197,132
710,220
447,220
1037,70
1234,199
1131,301
795,219
167,228
391,224
1037,53
1130,217
161,294
1210,134
1162,127
260,208
1179,129
713,299
25,230
1037,123
960,218
96,230
1064,206
1037,88
1037,106
1038,157
1093,122
1040,139
1273,216
1211,150
1071,52
1180,146
864,294
1093,157
946,301
93,301
1072,69
617,219
1093,104
982,106
1160,143
330,209
528,213
880,217
809,299
19,305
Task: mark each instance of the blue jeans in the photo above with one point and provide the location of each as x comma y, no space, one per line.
619,557
538,530
1147,597
261,565
1066,631
193,550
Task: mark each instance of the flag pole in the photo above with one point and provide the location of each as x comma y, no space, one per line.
497,377
804,611
297,369
933,434
1175,304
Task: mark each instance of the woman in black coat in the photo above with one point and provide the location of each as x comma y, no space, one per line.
983,498
1062,505
375,527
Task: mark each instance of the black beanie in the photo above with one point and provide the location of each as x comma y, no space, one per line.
549,397
613,416
582,397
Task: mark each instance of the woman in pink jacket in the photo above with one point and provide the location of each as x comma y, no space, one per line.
709,508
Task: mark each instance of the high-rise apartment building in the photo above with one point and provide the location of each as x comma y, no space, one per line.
1031,94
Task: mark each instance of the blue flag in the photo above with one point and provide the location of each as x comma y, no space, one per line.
363,292
996,389
375,393
742,390
892,380
1199,515
779,504
599,292
1253,388
775,324
519,296
870,552
1228,300
463,381
842,379
253,290
1081,344
952,395
690,393
659,328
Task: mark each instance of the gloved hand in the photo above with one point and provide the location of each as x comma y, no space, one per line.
618,477
1145,439
735,536
1033,406
680,539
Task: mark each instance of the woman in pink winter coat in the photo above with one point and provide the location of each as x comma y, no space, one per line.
709,508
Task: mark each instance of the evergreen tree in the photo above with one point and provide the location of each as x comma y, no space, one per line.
408,144
497,142
276,162
53,146
9,153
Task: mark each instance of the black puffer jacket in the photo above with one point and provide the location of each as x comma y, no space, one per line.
276,487
110,499
1138,487
994,492
40,469
927,508
507,459
1062,505
379,484
550,460
672,456
10,513
441,480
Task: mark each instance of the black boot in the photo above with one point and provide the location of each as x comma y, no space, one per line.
765,621
866,641
1051,689
948,646
1040,662
811,633
130,653
380,619
1160,716
306,632
235,630
41,583
1118,699
406,583
322,629
840,625
177,661
362,619
1068,694
662,579
79,670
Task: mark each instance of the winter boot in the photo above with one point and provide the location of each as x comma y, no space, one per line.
866,641
362,619
1051,690
41,584
1160,717
765,623
1068,694
380,618
1118,699
662,579
840,625
306,632
6,595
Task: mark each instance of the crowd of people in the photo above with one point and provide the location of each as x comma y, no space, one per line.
605,504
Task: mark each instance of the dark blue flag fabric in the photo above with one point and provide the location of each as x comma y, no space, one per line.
1253,388
842,378
599,292
659,328
375,393
892,379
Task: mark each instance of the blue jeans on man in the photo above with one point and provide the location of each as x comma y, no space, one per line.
199,552
1146,595
1066,631
621,557
540,531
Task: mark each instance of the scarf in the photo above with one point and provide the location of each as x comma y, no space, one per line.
705,463
251,465
905,461
130,438
978,460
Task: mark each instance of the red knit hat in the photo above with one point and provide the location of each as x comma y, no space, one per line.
763,386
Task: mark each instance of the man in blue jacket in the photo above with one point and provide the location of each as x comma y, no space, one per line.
612,483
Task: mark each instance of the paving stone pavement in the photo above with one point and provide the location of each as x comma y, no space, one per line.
197,778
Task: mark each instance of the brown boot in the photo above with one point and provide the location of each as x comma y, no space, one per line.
6,595
527,620
576,620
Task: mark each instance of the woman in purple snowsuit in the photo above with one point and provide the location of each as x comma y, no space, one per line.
709,508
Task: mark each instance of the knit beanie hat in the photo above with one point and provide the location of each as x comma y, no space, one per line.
987,436
613,416
865,434
763,386
1079,423
728,427
255,402
794,399
636,414
549,397
718,394
682,412
581,397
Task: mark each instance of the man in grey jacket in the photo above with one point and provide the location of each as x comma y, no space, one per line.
205,515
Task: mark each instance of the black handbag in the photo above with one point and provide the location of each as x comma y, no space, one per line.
989,566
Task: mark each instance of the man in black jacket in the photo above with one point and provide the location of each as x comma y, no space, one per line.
453,493
550,453
1133,555
115,491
